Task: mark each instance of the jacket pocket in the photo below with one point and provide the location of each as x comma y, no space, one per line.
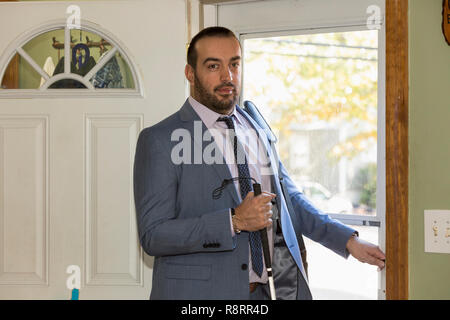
193,272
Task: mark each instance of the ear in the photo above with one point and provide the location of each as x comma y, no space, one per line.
189,73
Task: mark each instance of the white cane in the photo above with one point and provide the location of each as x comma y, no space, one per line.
265,247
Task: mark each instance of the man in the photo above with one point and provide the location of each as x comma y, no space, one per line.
208,247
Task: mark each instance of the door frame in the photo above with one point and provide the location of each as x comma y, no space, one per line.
397,152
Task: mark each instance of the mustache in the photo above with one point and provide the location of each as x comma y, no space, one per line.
223,85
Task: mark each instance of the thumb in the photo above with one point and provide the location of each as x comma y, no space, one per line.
249,195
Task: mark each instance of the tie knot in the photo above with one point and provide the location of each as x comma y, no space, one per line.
228,120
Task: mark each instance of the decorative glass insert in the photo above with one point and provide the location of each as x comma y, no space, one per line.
94,62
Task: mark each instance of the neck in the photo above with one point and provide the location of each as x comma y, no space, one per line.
226,112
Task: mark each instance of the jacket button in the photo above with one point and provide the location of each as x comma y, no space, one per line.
244,266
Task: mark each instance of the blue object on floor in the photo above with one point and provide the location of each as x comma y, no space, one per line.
75,294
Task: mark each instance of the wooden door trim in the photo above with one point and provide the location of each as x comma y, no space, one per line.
397,90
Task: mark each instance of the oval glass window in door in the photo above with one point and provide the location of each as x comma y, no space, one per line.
95,62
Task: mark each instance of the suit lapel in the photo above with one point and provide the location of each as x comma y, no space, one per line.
268,151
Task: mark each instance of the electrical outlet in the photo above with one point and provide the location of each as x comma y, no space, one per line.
437,231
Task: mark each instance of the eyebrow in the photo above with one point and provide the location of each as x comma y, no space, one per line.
218,60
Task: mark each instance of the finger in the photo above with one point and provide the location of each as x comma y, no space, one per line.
376,252
249,195
380,265
272,195
381,259
266,207
379,254
264,198
374,261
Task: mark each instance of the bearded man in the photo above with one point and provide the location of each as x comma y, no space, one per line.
209,247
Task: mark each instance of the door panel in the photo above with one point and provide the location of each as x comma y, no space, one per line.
111,260
23,175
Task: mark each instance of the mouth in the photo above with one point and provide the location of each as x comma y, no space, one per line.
227,90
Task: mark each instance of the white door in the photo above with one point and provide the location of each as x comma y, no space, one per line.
321,63
66,155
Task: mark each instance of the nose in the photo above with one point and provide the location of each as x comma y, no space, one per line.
226,75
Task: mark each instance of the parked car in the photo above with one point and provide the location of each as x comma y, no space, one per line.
324,199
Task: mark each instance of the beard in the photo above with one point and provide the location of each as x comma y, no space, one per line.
223,106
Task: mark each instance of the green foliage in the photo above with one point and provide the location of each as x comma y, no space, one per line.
366,180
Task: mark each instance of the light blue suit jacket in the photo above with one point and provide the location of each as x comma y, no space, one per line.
189,233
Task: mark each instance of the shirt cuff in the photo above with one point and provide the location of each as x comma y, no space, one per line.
231,225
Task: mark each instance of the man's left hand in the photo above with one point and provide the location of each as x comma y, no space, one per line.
366,252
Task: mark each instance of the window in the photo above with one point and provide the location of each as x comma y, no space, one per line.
56,57
319,93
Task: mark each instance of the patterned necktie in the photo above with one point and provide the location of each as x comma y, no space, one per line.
245,187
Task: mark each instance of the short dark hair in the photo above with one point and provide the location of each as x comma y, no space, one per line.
207,32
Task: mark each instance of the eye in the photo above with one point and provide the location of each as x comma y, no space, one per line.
213,66
235,64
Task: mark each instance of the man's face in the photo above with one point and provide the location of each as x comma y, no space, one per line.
216,80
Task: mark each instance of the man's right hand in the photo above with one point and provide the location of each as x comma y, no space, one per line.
254,213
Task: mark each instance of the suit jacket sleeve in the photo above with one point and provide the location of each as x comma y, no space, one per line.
314,224
161,231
